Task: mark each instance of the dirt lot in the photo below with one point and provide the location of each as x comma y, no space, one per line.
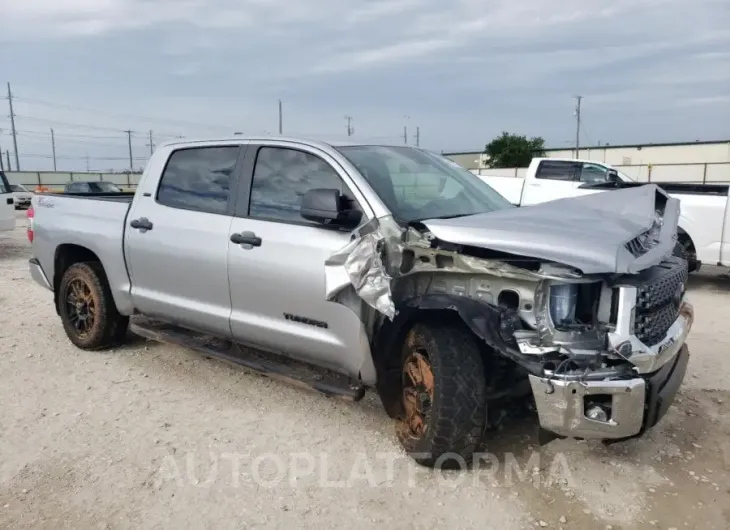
151,436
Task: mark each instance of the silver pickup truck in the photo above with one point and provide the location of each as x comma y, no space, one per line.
348,266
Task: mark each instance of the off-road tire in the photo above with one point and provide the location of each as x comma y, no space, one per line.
455,423
109,328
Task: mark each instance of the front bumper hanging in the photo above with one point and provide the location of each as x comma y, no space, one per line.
632,405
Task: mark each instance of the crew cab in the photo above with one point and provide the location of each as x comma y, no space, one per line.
348,266
7,205
703,230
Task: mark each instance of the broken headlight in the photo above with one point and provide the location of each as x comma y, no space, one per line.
563,301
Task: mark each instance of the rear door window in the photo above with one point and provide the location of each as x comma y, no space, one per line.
558,170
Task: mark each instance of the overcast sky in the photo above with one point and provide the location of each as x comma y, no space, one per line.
649,71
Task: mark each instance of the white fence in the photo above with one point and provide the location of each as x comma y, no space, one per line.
56,180
709,173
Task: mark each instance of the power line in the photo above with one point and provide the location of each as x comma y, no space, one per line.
120,114
61,157
69,124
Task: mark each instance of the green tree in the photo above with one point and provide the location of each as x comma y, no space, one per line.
511,150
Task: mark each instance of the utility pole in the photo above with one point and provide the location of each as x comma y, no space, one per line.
577,125
151,144
418,137
350,129
405,134
87,163
12,127
129,140
7,154
281,119
2,164
53,148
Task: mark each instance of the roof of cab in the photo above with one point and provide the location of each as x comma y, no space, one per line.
260,138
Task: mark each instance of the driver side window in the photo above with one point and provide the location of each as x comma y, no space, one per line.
593,173
282,176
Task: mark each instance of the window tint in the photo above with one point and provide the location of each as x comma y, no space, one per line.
104,187
592,173
77,187
4,185
198,179
555,170
281,177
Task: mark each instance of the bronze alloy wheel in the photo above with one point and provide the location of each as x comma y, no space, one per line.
86,307
418,384
80,306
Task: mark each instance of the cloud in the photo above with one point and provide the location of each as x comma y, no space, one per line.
463,70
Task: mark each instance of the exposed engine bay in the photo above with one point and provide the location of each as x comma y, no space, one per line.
587,318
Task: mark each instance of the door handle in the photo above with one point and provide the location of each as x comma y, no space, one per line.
142,224
246,239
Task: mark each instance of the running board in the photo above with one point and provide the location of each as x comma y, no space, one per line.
270,365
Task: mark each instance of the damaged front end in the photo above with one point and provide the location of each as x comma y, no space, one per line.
601,342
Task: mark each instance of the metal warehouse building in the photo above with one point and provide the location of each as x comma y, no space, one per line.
678,162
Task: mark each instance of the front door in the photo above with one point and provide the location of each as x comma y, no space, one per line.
554,179
177,240
278,282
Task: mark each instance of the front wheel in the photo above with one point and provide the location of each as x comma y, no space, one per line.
444,396
88,313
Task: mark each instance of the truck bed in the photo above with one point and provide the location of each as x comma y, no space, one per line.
91,221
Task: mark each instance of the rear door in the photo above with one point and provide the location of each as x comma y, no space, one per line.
554,179
278,286
7,205
177,239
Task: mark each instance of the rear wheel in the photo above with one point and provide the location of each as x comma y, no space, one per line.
444,396
88,313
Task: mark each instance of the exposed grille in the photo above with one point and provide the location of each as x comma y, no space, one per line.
658,300
636,247
645,241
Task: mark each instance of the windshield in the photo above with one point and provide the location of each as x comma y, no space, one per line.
104,187
415,184
624,176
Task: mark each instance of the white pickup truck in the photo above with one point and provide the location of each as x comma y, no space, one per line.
7,205
704,207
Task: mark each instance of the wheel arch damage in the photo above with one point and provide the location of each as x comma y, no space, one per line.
404,275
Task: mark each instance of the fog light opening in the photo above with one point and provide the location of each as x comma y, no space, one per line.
598,408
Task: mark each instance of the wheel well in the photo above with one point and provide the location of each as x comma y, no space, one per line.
67,255
387,347
683,237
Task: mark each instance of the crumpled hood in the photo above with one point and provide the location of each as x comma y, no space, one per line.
589,233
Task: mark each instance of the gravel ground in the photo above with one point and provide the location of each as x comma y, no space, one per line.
153,436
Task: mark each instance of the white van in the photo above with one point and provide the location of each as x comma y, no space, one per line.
7,205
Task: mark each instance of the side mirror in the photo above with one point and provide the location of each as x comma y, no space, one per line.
612,176
328,206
